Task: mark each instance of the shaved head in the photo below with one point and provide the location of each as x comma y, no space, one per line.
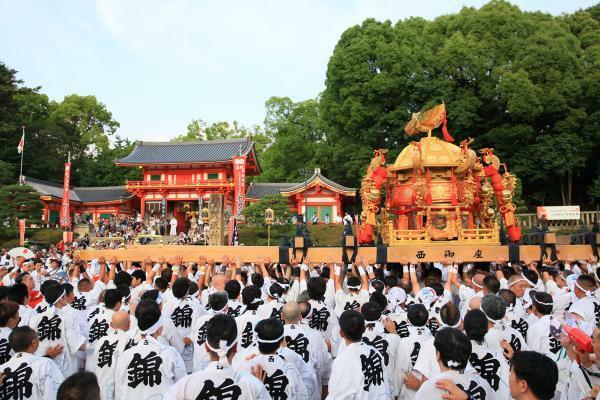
290,313
218,281
120,321
475,303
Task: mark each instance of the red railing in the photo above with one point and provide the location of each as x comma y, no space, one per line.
132,185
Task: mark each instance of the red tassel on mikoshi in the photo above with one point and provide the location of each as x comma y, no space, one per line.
447,136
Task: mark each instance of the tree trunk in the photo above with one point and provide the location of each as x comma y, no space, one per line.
569,187
562,191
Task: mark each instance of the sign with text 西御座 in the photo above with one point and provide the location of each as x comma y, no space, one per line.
553,213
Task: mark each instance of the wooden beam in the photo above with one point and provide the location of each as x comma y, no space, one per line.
437,252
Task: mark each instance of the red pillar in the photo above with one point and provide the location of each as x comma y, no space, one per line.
142,206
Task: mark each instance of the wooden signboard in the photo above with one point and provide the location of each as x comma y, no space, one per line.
422,253
216,235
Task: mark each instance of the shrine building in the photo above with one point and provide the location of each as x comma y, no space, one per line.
179,177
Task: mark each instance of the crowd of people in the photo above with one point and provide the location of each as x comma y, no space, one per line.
226,329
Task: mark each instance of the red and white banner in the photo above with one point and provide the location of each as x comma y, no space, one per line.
21,232
555,213
239,180
21,145
65,213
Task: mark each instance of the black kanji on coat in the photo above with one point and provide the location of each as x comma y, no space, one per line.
487,367
522,326
234,312
515,342
247,335
381,345
553,339
79,303
299,345
144,370
201,335
48,328
402,329
351,305
94,313
17,384
372,369
4,350
226,390
414,354
276,385
98,329
182,316
474,391
320,319
105,353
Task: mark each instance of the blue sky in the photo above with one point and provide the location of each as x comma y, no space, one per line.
159,64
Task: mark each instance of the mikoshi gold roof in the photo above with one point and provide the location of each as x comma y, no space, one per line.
434,153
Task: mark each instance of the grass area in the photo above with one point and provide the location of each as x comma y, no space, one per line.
321,235
42,236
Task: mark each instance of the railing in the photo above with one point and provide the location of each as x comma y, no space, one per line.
588,218
132,185
480,235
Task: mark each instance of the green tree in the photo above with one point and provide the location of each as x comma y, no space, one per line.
17,202
254,213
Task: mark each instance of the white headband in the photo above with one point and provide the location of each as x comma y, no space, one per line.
493,321
270,341
353,287
527,280
534,299
60,297
453,363
588,293
154,328
221,351
256,300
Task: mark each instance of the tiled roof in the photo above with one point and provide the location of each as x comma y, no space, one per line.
328,182
187,152
260,190
83,194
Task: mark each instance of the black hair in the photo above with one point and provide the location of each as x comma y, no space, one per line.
275,291
437,287
125,291
21,338
475,325
68,288
8,309
221,327
371,311
353,281
454,348
139,274
18,293
180,287
147,313
122,278
269,329
249,294
192,287
449,314
508,297
257,280
417,314
150,295
46,284
391,281
530,275
3,293
19,278
161,283
79,386
316,288
352,323
378,285
379,298
542,297
539,371
587,282
218,300
112,297
492,284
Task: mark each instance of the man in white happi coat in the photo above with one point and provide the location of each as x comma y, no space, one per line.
148,369
103,363
219,380
28,376
359,372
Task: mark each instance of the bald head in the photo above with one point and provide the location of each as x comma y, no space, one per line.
290,313
218,281
475,303
478,281
120,321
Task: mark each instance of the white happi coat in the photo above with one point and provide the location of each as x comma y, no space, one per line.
588,308
55,326
499,332
282,377
307,373
182,313
5,349
217,383
408,353
31,376
543,337
270,309
349,301
475,386
104,360
311,347
323,320
147,370
26,314
245,327
581,381
491,366
359,373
